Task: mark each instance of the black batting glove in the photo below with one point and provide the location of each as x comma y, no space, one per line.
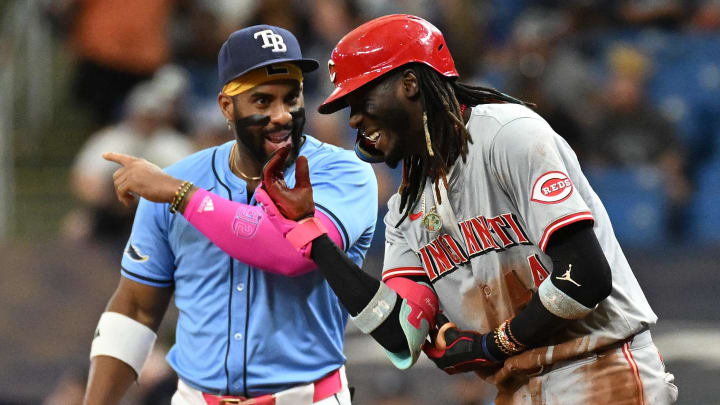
459,351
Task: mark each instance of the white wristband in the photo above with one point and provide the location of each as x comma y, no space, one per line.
123,338
559,303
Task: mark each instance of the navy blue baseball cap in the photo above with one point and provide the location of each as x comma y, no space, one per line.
258,46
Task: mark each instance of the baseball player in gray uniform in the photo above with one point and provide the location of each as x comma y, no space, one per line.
497,248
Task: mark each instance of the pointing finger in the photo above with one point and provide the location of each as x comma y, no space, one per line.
121,158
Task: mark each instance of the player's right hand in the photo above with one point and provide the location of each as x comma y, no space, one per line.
138,177
296,203
456,351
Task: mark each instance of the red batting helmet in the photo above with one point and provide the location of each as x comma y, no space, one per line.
380,45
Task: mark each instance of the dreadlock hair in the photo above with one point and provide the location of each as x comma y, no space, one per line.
441,98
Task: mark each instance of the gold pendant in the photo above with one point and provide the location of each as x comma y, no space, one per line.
432,221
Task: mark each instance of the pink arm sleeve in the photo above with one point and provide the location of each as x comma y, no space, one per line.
245,233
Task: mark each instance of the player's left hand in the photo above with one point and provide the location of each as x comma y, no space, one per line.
296,203
456,351
138,177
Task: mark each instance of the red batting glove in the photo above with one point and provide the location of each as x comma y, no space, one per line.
290,210
296,203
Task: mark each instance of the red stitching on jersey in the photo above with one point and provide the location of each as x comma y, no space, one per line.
564,221
636,372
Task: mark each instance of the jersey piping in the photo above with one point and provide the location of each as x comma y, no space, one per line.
403,271
343,231
561,223
162,283
232,274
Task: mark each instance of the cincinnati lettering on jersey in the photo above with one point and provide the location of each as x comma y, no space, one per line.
482,235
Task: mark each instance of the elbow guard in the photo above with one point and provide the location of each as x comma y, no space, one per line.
561,304
418,307
417,315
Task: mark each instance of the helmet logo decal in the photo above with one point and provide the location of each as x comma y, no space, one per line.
271,40
331,66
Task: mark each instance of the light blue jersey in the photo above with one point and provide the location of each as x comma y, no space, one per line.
243,331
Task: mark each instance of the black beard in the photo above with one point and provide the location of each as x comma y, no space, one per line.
392,163
246,129
397,119
298,124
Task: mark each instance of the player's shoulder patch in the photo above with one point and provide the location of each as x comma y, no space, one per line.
552,187
135,254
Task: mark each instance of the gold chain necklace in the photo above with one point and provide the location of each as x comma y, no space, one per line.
236,169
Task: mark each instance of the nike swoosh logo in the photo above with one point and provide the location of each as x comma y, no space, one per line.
415,215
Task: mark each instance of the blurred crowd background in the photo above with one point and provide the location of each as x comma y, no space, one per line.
633,86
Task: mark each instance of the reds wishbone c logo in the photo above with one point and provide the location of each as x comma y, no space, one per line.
271,39
552,187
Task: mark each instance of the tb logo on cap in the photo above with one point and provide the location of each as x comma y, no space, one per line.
271,39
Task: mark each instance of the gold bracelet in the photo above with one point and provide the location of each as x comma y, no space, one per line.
511,336
500,345
180,195
510,347
506,345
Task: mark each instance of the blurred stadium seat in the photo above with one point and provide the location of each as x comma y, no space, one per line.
684,82
685,85
635,202
706,205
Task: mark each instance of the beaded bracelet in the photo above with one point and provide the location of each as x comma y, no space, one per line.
505,343
500,345
511,336
180,195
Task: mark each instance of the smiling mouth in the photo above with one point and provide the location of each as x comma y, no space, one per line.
278,137
372,137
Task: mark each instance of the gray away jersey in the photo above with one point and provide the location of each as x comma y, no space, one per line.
521,182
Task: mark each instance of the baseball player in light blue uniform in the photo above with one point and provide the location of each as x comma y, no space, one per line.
241,329
243,332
